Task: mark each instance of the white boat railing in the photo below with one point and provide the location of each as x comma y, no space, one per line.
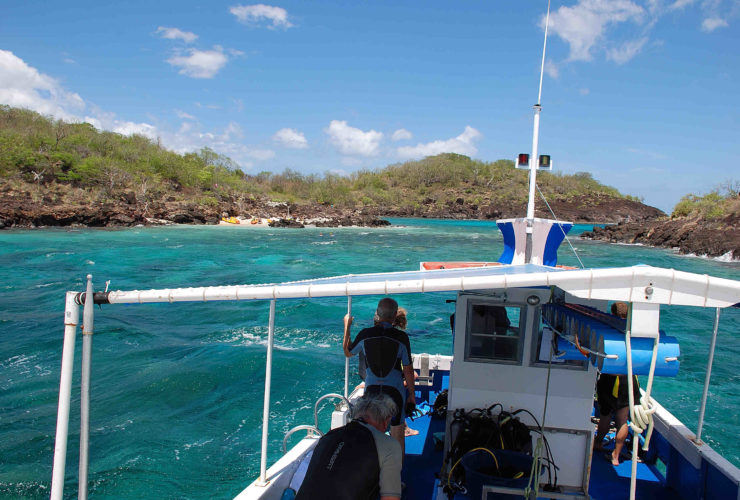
635,284
707,376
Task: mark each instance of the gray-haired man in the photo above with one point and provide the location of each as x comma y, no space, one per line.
358,460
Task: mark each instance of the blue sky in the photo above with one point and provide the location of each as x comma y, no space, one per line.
640,93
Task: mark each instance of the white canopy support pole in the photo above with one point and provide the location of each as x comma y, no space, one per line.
707,377
266,412
87,331
630,398
71,318
346,359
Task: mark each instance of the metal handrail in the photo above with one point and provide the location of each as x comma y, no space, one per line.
325,396
312,432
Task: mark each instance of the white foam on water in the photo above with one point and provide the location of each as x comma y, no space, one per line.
44,285
728,257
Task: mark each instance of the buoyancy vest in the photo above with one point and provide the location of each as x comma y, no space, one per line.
344,466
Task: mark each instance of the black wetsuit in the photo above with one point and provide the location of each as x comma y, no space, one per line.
387,350
608,401
344,466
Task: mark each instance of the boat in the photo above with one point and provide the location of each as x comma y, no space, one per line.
530,377
231,220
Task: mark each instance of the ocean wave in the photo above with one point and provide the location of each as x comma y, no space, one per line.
54,254
728,257
44,285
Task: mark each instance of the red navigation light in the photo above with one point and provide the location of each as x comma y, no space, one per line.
522,159
545,161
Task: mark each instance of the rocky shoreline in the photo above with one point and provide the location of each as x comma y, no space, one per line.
718,238
634,222
31,206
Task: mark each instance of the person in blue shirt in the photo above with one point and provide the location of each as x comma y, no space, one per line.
388,356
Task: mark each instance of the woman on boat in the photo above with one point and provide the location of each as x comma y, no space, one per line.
401,322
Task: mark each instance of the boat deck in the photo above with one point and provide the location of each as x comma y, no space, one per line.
424,458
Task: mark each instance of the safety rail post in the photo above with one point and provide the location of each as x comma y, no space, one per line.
71,319
87,332
346,359
707,376
262,481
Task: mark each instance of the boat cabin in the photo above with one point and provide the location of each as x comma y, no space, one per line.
502,355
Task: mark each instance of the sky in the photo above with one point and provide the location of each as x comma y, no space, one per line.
639,93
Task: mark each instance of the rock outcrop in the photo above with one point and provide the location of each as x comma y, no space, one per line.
692,235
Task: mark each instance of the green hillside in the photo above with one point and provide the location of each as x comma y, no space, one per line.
38,153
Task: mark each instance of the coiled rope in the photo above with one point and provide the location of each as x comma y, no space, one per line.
641,416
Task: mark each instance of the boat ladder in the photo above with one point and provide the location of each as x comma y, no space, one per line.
313,430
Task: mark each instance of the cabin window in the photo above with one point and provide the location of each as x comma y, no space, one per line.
547,352
494,332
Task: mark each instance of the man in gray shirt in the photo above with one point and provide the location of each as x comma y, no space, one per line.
357,461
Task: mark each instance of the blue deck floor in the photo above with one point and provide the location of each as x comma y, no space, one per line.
423,462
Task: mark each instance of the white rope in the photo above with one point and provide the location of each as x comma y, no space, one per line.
535,471
561,228
641,416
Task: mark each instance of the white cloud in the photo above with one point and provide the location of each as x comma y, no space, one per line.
584,91
627,51
552,69
231,132
353,141
105,120
183,115
680,4
290,138
257,13
190,137
712,23
207,106
585,24
462,144
199,63
176,34
131,128
401,135
24,87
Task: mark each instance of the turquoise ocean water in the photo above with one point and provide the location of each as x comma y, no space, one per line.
177,389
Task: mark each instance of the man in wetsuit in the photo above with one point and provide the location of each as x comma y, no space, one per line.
357,461
388,355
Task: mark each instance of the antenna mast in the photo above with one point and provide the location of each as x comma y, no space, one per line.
534,161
